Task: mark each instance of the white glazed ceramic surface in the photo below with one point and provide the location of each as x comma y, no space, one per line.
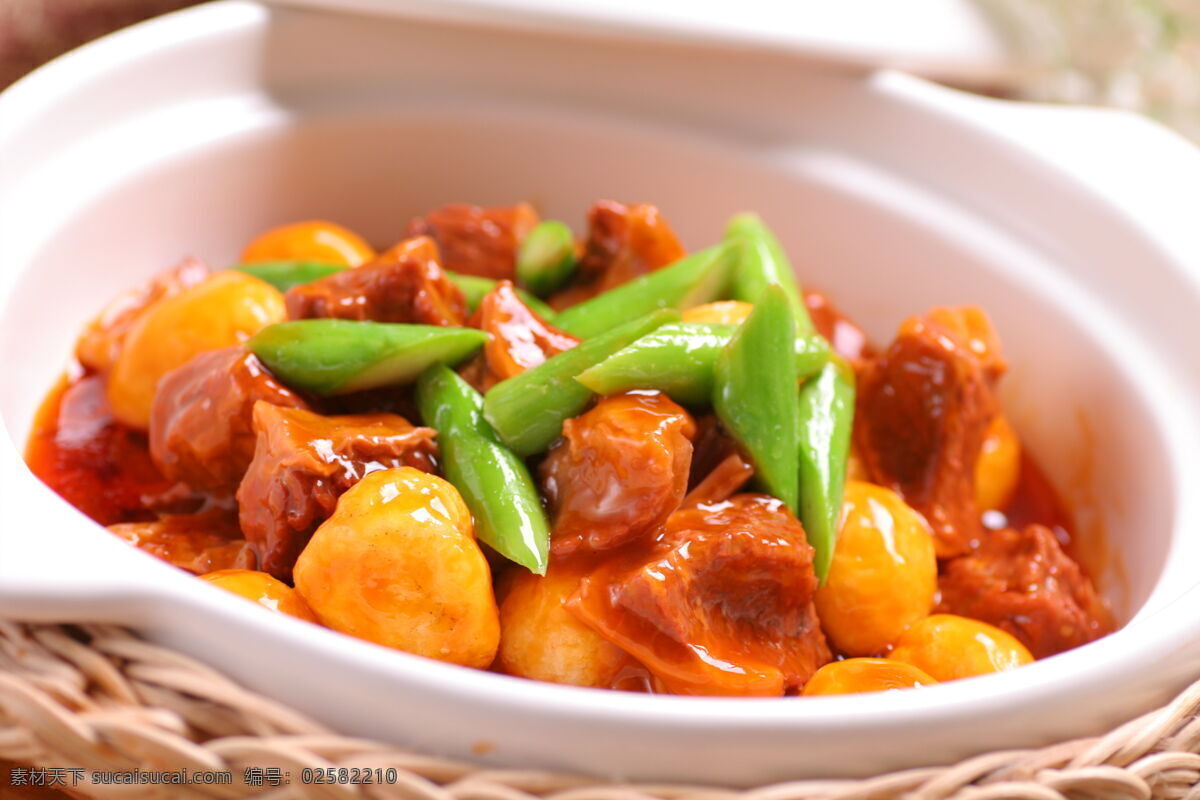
1075,229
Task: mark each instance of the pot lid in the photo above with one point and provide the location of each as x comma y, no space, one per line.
954,40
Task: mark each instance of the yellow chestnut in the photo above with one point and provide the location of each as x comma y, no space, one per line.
999,465
397,564
722,312
266,590
542,640
313,240
859,675
950,647
224,310
883,577
855,469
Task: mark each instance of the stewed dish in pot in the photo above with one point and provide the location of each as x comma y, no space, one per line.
600,460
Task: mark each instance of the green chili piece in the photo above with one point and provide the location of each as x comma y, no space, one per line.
754,394
493,481
678,359
546,259
283,275
475,288
762,262
528,411
826,421
699,278
336,356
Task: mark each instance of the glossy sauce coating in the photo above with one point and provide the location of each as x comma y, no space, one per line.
924,406
475,240
302,464
1035,501
97,464
201,429
721,603
623,242
1023,582
520,339
403,284
199,543
619,471
651,587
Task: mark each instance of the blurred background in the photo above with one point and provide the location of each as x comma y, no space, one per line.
1136,54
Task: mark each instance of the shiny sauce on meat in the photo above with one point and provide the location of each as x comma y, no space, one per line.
1035,502
95,463
103,467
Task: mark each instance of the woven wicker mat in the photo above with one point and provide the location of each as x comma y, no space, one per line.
98,698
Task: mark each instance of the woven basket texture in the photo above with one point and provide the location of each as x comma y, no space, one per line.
99,698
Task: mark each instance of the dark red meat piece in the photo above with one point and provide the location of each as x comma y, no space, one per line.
303,463
475,240
721,604
619,471
201,429
1023,581
403,284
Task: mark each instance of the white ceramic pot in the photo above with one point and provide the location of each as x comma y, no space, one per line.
1076,230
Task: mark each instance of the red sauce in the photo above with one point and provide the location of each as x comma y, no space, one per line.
103,467
848,340
1035,502
95,463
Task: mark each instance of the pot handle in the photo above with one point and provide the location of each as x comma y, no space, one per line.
1153,171
55,564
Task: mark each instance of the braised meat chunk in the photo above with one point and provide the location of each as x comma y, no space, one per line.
618,473
201,429
303,462
623,242
519,338
1023,582
199,543
404,284
924,407
722,604
475,240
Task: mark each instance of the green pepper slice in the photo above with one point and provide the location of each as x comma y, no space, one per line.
283,275
699,278
527,411
762,262
546,258
476,287
337,356
493,481
754,394
826,422
679,359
